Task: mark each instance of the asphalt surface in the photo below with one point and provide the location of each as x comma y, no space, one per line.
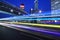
9,32
12,34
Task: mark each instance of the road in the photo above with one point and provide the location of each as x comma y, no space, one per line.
35,32
11,34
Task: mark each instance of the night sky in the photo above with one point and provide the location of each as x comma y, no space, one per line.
44,5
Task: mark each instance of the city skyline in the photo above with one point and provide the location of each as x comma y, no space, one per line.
44,5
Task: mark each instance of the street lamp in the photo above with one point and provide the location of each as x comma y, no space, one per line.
31,10
11,10
55,20
40,11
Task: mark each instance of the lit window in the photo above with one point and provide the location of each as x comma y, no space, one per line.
56,2
53,8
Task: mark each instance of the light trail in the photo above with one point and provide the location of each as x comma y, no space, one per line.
34,24
47,31
6,13
28,18
37,16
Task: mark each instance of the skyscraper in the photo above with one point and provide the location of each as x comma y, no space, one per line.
36,5
55,6
35,9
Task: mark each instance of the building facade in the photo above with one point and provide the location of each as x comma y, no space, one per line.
35,9
55,7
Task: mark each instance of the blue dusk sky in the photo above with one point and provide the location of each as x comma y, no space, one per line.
44,5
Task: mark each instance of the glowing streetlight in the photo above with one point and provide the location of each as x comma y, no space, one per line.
55,20
40,11
11,10
31,9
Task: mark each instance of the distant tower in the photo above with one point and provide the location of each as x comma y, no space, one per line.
36,6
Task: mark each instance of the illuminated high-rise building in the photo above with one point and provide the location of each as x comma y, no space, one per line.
36,5
55,6
35,9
